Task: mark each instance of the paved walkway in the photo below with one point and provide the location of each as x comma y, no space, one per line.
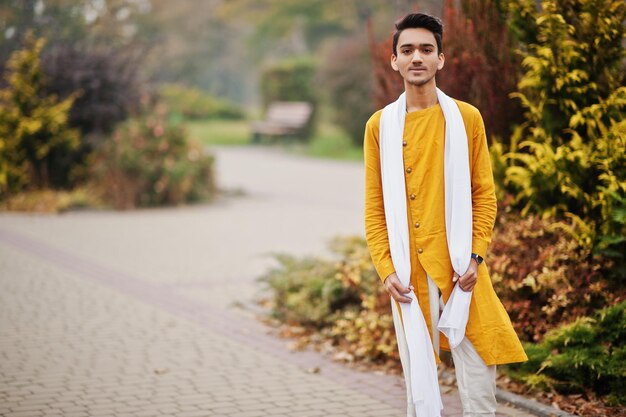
137,313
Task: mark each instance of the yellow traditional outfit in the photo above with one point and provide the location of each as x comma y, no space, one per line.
489,328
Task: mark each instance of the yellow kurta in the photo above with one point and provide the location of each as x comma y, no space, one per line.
489,327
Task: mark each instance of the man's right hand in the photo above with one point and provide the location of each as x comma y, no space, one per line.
395,288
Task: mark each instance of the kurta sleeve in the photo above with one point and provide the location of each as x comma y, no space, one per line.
484,203
375,225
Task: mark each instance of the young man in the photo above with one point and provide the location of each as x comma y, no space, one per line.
429,216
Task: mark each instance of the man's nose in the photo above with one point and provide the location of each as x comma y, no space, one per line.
417,57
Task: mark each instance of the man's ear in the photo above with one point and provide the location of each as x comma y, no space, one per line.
394,65
442,61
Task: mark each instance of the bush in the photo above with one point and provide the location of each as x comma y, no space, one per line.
290,80
572,58
589,354
388,84
107,86
367,334
488,71
33,124
570,161
108,78
149,162
303,292
349,84
341,298
194,104
585,180
543,277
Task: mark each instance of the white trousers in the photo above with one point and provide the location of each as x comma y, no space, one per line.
476,381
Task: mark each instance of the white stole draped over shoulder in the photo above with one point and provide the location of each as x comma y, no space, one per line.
458,220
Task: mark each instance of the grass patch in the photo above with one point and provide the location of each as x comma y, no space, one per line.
329,141
220,132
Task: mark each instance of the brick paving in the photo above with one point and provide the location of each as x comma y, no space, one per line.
139,313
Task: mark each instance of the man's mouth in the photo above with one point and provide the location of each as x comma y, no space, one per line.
417,69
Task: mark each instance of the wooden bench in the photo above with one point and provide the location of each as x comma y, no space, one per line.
284,118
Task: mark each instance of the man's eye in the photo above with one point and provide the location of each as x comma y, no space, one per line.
406,51
428,50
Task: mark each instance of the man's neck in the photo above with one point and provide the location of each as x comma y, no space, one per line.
420,97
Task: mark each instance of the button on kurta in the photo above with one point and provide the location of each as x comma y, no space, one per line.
412,196
409,170
404,143
420,250
417,224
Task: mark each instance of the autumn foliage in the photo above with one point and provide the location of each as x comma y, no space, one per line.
539,272
34,126
340,298
149,161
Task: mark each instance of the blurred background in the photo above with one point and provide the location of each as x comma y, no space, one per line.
119,104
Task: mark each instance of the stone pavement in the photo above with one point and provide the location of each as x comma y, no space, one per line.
138,313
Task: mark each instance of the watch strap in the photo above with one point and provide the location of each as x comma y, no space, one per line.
478,258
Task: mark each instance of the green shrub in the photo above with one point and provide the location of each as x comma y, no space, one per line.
150,162
194,104
306,291
341,298
291,80
288,80
589,354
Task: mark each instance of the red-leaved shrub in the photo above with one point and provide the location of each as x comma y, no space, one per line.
543,277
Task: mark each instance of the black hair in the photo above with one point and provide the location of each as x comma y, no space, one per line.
419,20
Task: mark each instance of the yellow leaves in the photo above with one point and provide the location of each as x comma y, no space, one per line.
573,141
36,123
550,17
576,120
572,61
3,177
577,76
361,329
30,126
530,281
369,333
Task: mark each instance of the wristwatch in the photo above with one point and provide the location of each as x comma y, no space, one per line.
479,259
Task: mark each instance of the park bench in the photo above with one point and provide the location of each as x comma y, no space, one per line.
284,118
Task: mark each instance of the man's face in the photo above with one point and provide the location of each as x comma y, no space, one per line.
416,56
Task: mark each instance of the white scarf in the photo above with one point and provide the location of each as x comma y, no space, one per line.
458,217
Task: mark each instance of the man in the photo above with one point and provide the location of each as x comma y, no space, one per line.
489,336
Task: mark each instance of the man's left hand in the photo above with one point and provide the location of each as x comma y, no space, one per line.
468,280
